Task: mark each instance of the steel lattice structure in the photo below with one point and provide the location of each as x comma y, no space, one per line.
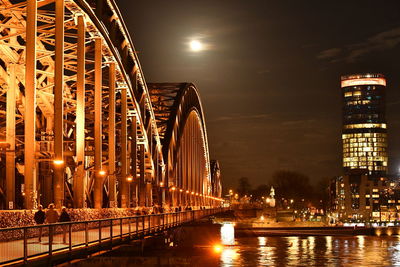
79,123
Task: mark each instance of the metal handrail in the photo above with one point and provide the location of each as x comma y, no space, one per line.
93,232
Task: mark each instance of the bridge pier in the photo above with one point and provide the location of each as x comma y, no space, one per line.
10,138
30,106
80,175
123,186
99,173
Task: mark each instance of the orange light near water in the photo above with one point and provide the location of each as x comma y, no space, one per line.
217,248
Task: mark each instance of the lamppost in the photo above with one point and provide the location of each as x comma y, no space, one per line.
129,179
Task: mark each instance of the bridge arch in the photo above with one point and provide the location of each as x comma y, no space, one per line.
80,126
182,128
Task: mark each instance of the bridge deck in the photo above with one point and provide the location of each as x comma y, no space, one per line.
26,247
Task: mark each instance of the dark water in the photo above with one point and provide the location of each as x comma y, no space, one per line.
266,251
312,251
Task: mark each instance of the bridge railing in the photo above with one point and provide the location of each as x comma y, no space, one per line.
25,243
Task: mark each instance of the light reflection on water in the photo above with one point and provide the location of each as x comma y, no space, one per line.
313,251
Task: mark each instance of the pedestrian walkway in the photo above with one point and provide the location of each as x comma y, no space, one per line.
87,234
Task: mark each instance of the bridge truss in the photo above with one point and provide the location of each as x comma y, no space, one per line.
79,124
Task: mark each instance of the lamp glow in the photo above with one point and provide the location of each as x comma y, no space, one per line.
58,162
217,248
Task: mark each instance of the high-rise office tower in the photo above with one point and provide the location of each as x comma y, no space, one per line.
364,124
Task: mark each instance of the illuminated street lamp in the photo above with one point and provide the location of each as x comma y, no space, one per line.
129,179
58,162
161,184
102,172
173,188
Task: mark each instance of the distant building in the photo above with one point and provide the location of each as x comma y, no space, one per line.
364,124
364,193
358,198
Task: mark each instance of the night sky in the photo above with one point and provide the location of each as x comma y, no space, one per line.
269,78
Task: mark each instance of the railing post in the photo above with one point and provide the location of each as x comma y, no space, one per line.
25,245
137,226
129,228
50,240
70,236
99,232
86,234
149,224
111,232
120,227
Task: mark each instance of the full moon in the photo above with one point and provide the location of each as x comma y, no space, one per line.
196,46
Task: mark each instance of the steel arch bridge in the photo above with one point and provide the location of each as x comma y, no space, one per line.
79,124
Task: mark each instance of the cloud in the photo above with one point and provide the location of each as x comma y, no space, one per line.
379,42
329,53
240,117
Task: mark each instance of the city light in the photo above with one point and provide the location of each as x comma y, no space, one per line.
58,162
102,173
161,184
173,188
129,178
217,248
228,234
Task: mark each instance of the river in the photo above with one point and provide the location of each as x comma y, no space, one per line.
266,251
312,251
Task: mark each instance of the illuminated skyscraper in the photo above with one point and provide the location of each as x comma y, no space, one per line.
364,124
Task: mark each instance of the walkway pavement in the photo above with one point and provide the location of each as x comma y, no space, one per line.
14,250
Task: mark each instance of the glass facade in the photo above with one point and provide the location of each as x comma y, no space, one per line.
364,125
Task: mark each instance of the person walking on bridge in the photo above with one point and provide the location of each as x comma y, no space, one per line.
64,217
51,214
39,218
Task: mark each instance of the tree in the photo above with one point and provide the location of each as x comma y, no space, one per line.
292,185
244,186
262,190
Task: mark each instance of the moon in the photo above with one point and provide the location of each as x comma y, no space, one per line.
196,46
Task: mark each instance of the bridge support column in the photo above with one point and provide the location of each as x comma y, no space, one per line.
123,187
10,139
80,176
141,187
99,173
59,165
149,194
112,190
134,183
30,106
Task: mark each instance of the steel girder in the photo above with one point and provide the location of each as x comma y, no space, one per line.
75,107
